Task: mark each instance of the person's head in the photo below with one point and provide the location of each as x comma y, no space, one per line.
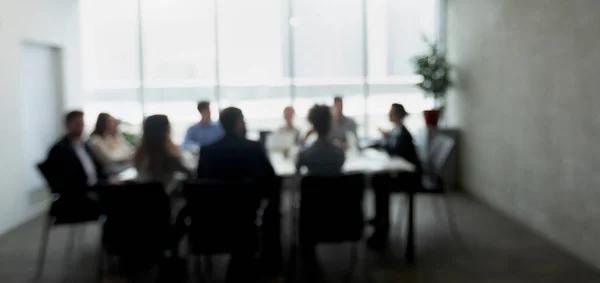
338,106
320,117
232,120
204,109
105,125
156,132
155,146
288,114
397,113
74,123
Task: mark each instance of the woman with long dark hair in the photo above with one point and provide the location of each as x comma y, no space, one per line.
157,158
110,147
323,157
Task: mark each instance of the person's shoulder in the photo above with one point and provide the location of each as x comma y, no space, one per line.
94,140
194,127
211,146
60,145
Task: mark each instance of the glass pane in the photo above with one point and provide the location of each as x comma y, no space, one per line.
251,61
396,30
251,42
109,43
179,45
263,111
328,39
328,56
179,60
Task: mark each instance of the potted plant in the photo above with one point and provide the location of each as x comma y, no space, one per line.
129,135
434,70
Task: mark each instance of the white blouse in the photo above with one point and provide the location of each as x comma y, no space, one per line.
111,151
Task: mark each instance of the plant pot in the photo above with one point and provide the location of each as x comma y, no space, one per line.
431,117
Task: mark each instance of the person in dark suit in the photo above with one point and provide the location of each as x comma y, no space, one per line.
234,157
397,142
75,171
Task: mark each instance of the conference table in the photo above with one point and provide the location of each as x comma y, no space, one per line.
367,162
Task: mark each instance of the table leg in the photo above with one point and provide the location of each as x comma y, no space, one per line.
410,239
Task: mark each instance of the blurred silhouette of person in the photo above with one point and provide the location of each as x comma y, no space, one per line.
234,157
322,157
204,132
341,125
398,142
75,171
288,116
110,147
157,158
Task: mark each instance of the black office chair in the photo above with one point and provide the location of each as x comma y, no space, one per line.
263,135
432,182
137,229
223,217
66,208
331,211
440,150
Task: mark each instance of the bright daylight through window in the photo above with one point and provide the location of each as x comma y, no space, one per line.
162,56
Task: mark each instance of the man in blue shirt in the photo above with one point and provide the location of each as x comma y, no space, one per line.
206,131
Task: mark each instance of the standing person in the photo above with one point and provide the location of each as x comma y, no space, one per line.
341,125
204,132
157,158
323,157
74,170
398,142
110,147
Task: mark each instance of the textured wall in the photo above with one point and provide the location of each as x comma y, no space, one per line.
528,101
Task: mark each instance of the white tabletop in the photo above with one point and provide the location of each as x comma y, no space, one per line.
368,162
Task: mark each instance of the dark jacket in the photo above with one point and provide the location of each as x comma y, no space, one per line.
66,171
404,147
236,158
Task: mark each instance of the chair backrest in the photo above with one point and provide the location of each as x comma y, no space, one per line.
138,220
45,169
222,216
331,208
263,135
439,152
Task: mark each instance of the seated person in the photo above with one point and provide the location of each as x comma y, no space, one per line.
157,158
234,156
398,142
204,132
110,147
341,125
288,116
323,157
75,170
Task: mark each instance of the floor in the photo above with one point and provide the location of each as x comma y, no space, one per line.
490,248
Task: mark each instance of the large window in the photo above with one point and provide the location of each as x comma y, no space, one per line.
162,56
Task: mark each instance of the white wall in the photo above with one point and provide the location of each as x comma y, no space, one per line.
53,23
527,99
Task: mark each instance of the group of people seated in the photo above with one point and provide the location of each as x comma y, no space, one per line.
224,151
